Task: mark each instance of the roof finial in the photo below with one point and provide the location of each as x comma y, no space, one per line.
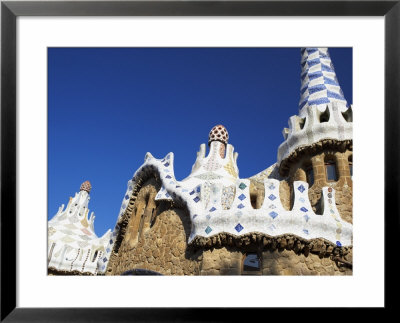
319,84
219,133
86,186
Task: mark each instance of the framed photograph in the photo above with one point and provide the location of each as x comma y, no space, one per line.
89,89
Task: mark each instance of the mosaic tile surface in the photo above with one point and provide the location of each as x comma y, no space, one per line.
210,217
72,241
324,112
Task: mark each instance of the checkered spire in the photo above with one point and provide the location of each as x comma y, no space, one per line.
319,84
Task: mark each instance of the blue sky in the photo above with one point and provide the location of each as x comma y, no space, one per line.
107,107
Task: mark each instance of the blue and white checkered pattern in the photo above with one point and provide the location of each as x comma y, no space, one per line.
319,84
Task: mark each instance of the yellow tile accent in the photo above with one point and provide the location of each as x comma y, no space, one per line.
230,169
84,222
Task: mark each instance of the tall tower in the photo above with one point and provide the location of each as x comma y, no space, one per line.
73,246
318,146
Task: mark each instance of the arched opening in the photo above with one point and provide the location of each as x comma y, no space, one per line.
330,169
251,263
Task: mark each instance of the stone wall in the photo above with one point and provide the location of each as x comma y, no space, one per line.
274,261
155,240
288,262
221,261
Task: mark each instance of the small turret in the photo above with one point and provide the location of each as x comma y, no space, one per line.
318,144
73,245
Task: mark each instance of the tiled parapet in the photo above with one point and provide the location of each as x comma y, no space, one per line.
313,125
73,245
273,220
210,216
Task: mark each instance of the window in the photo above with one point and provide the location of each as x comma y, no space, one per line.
351,165
251,262
310,175
331,174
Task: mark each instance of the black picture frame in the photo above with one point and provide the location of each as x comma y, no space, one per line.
10,10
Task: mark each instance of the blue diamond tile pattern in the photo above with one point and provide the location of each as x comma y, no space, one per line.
306,217
338,243
240,206
191,193
166,164
242,186
319,84
212,209
271,187
196,199
305,231
272,197
273,214
208,230
301,188
168,176
238,227
242,197
303,209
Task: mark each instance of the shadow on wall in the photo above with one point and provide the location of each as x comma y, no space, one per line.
183,213
139,271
